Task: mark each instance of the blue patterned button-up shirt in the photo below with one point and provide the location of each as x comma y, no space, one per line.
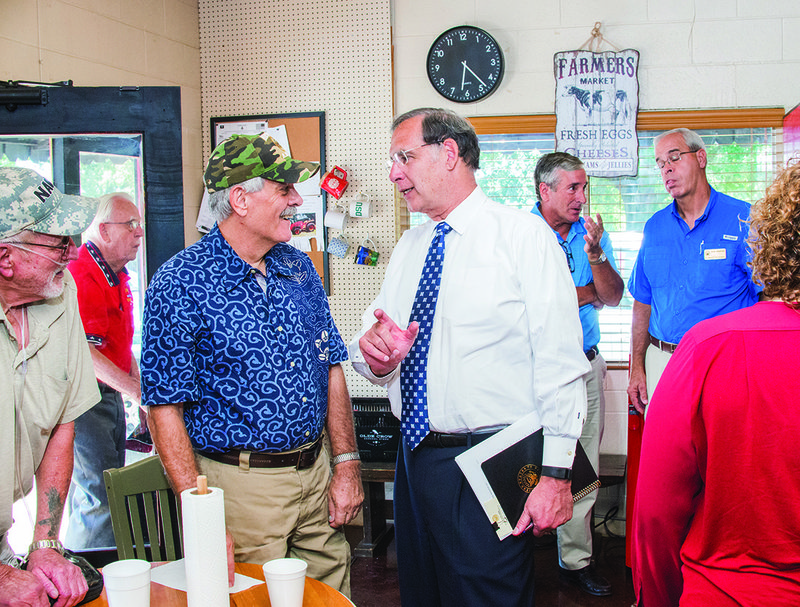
247,354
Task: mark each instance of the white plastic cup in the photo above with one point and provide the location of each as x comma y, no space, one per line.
127,583
286,581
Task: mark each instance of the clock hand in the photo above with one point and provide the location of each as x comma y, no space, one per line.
466,67
463,74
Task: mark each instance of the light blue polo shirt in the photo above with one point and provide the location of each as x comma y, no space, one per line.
689,275
582,274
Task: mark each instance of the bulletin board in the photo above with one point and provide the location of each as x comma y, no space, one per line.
306,135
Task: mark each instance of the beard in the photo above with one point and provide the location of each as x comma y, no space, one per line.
55,286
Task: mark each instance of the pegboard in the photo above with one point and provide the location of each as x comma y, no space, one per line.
281,56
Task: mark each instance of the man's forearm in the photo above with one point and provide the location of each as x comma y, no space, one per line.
607,283
173,445
111,375
340,414
52,482
640,326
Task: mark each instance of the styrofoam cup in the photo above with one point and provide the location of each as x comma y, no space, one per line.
286,580
127,583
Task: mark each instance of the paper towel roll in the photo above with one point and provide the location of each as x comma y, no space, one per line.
204,548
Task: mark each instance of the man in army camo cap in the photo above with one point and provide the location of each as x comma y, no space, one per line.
46,372
242,157
241,370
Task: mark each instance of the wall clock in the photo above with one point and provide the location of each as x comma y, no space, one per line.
465,64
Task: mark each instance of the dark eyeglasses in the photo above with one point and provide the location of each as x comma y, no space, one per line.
568,253
401,157
673,158
63,248
131,223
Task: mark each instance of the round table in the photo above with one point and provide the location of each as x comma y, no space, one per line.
316,593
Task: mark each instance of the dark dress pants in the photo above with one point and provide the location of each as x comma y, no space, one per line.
448,554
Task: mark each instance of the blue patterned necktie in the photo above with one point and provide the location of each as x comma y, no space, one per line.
413,374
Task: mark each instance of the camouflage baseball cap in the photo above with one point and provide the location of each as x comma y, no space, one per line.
242,157
28,201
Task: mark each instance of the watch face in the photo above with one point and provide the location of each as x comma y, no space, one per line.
465,64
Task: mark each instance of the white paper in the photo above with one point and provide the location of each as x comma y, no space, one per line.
204,548
470,463
173,575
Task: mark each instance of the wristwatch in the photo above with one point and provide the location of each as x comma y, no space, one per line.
601,259
560,473
345,457
54,544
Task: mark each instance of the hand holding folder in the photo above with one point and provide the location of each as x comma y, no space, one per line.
504,469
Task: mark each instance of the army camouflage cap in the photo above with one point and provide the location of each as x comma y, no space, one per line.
28,201
242,157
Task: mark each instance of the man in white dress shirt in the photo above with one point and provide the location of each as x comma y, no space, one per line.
505,340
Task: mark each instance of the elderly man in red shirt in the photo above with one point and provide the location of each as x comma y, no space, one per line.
105,301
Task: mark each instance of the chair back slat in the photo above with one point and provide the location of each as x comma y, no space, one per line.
145,513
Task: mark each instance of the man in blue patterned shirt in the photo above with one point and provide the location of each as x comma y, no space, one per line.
241,369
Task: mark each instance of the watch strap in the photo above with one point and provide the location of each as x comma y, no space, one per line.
554,472
345,457
52,544
601,259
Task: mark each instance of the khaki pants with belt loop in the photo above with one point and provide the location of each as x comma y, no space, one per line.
283,512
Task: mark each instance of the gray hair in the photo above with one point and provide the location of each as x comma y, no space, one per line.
690,138
219,202
548,167
439,124
104,211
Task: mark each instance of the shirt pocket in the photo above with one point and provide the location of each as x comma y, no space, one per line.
475,298
44,401
716,270
657,267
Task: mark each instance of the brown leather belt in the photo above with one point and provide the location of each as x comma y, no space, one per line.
665,346
302,459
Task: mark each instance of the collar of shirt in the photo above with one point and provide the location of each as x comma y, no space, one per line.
112,277
712,199
462,217
233,270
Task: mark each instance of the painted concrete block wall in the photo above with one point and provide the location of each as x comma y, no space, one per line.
113,43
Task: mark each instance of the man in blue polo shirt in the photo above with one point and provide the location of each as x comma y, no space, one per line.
241,369
561,190
692,264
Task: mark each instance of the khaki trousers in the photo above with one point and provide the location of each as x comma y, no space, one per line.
283,512
575,536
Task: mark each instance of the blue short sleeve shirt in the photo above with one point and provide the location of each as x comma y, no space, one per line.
688,275
247,354
582,273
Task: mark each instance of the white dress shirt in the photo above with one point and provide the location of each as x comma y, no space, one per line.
506,335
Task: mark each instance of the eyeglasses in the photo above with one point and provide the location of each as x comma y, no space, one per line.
672,158
402,158
568,253
131,223
63,248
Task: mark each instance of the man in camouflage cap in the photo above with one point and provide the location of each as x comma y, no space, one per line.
241,370
46,371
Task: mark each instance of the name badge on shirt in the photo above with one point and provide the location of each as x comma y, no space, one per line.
714,254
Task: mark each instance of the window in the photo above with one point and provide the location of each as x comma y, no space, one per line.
743,149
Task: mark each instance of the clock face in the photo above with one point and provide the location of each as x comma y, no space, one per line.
465,64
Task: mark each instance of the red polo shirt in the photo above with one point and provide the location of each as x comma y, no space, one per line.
106,305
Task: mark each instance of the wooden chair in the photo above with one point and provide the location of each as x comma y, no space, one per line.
145,513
